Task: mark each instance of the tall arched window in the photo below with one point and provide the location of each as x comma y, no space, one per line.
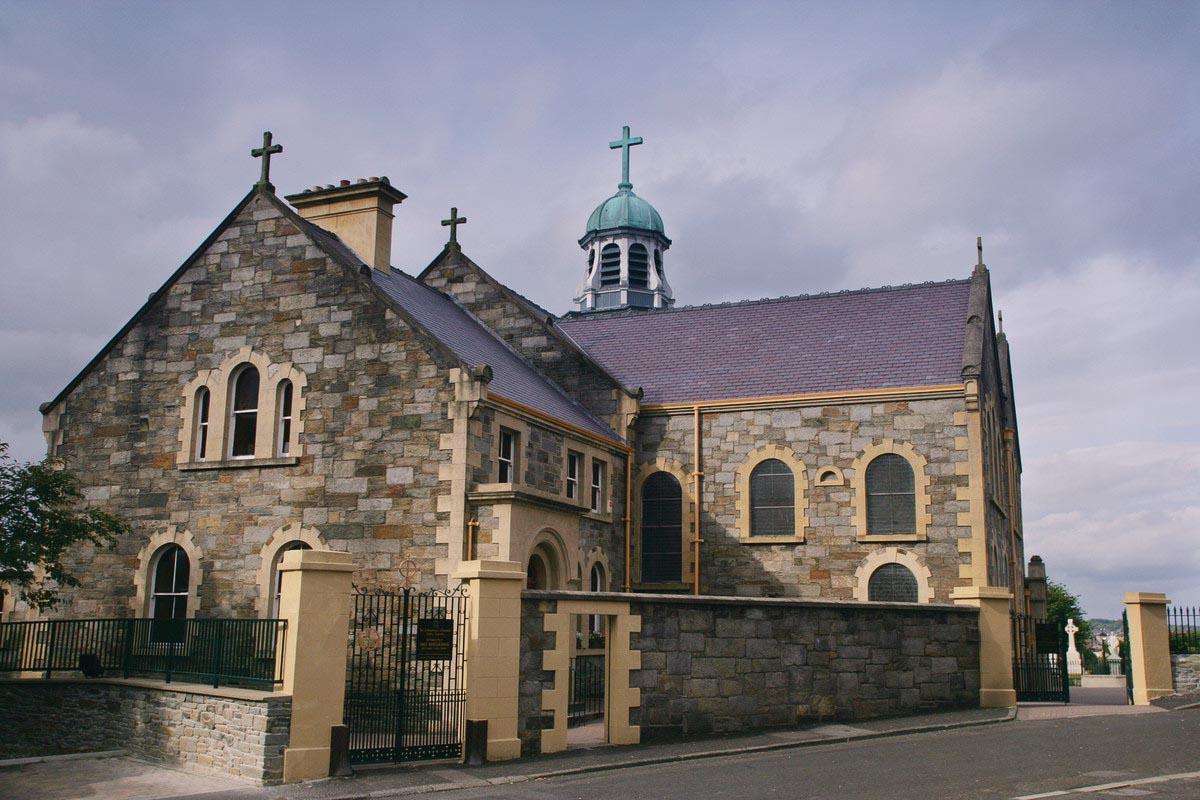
285,417
772,499
170,573
203,398
639,266
662,529
598,583
277,576
244,416
891,495
892,583
658,263
610,265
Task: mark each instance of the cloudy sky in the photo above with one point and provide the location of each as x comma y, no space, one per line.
790,148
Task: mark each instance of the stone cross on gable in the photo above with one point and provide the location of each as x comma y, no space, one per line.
623,144
454,221
265,152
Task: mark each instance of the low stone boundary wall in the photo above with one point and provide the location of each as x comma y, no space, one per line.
715,665
236,732
1186,673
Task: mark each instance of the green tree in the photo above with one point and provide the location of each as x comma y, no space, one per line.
42,514
1062,605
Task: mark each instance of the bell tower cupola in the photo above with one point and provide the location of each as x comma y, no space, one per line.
624,243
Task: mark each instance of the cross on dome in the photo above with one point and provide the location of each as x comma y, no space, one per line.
623,144
265,152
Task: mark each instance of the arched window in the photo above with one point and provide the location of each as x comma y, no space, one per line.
203,398
892,583
610,265
170,574
277,576
591,261
244,417
285,417
639,266
891,497
772,499
662,529
597,583
658,263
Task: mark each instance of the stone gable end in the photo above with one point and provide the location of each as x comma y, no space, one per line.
374,410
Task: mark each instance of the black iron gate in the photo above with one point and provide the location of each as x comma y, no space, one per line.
585,702
405,697
1039,660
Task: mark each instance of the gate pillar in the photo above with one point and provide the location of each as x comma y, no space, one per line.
995,642
493,663
1149,646
314,598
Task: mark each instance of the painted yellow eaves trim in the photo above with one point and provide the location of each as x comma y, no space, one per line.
863,395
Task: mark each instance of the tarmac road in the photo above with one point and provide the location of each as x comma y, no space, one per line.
1017,759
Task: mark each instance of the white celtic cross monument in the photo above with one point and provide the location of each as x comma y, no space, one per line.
1074,662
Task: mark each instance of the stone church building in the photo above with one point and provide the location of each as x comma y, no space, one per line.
287,387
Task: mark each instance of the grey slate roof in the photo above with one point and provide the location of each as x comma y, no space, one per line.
868,339
512,376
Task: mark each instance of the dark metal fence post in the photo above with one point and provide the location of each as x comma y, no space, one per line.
403,706
220,656
1126,659
127,650
49,658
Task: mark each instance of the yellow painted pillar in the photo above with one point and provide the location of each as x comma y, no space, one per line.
314,598
1149,646
995,642
493,663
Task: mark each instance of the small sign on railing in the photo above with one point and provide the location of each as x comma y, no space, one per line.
435,639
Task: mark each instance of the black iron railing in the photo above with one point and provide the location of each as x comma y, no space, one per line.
246,652
586,700
1184,626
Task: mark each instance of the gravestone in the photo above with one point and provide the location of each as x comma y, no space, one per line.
1074,661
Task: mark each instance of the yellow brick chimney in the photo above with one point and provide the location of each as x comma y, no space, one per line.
359,212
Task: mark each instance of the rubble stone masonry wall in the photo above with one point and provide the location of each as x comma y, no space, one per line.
825,564
713,665
1186,671
200,732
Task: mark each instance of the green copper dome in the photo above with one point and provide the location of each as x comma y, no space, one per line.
625,210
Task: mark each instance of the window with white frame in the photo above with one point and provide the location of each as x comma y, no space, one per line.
285,417
598,483
507,457
597,583
574,467
244,415
203,400
170,575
